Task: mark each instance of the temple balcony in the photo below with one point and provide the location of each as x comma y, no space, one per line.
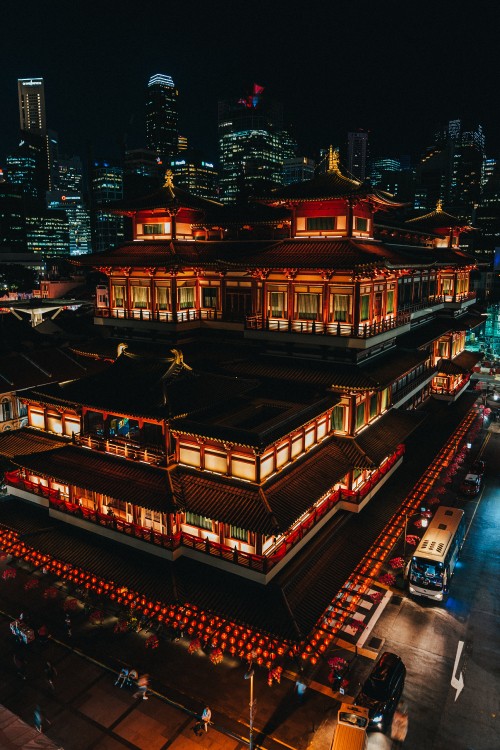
402,395
454,393
346,335
125,447
459,301
182,320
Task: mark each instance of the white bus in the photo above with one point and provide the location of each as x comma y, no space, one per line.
431,567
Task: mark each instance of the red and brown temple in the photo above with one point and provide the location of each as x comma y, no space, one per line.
296,350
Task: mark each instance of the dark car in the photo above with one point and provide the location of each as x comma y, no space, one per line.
471,485
478,467
382,690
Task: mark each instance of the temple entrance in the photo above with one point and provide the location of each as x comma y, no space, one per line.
238,304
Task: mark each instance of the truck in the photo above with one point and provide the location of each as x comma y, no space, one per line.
350,732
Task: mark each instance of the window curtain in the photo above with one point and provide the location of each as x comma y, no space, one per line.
338,418
162,297
365,306
277,304
209,295
308,306
119,294
186,297
360,415
341,307
140,296
390,303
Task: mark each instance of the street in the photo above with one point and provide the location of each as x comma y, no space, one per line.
427,637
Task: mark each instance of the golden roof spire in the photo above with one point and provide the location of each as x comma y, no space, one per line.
333,160
439,205
169,179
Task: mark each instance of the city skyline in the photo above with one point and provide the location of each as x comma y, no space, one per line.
399,78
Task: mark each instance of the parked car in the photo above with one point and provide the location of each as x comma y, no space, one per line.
478,467
471,485
382,690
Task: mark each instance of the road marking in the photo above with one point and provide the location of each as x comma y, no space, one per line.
457,684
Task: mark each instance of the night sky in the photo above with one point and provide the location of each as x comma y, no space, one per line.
397,69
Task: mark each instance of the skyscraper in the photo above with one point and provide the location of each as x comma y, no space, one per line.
251,146
31,94
162,128
106,186
357,153
195,175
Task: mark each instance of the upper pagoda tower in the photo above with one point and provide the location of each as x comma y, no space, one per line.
332,204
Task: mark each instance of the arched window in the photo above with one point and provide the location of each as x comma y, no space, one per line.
6,410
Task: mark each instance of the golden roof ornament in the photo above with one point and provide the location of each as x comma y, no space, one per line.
439,206
333,160
169,179
120,349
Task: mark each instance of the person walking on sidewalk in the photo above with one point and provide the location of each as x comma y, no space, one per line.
142,687
122,677
67,622
203,722
50,673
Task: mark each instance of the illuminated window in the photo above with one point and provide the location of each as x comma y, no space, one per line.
390,303
338,418
360,224
119,296
373,405
320,223
153,228
186,297
277,304
162,298
341,308
209,296
6,410
308,306
236,533
140,296
365,307
360,415
193,519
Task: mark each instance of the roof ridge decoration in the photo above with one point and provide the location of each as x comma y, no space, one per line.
439,205
169,179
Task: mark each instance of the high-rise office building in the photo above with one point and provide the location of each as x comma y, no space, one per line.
195,175
162,117
12,220
108,230
143,171
378,166
298,169
31,95
451,169
252,143
78,218
489,165
47,233
70,179
357,154
28,165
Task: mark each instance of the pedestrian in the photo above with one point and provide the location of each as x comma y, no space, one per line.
50,673
300,687
122,677
67,622
132,678
43,633
203,722
38,719
399,726
20,665
142,687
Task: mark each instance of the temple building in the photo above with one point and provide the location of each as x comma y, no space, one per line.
297,339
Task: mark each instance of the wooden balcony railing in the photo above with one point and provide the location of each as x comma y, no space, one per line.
124,447
314,327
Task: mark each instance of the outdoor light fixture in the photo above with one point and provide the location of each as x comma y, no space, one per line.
249,676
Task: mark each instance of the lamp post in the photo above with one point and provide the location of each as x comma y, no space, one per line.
249,676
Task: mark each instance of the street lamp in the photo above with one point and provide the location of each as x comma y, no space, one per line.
249,676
